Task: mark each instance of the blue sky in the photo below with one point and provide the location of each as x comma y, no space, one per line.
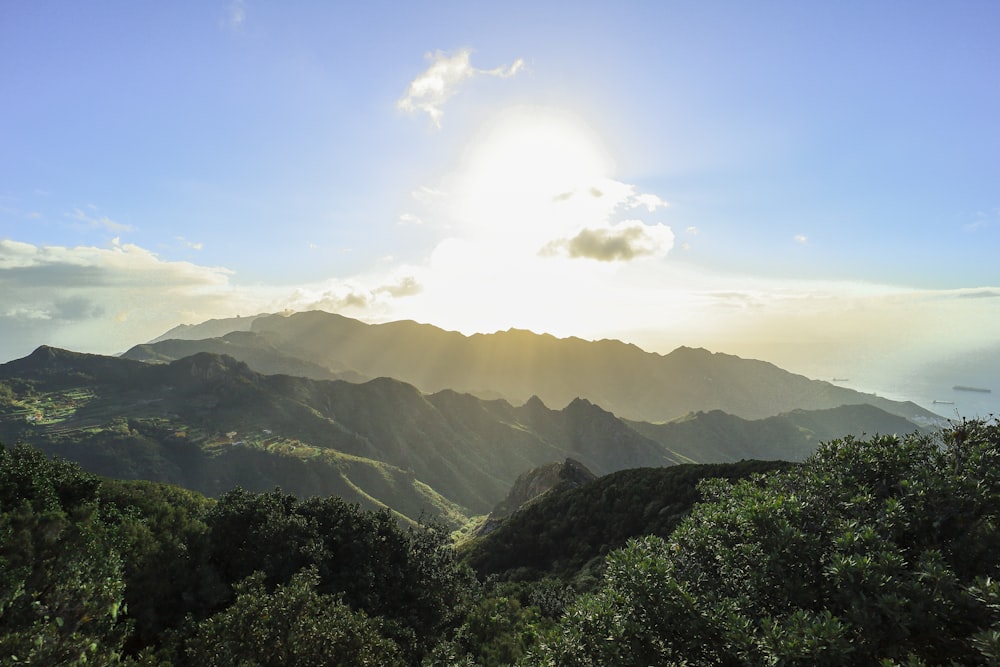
773,179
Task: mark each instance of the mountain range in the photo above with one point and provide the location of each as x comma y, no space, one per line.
411,417
516,365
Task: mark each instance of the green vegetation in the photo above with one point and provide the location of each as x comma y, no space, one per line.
877,551
105,572
209,423
571,530
61,585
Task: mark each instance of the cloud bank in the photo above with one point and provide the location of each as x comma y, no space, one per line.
97,298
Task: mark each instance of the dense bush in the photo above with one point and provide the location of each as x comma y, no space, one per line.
293,626
61,584
94,571
409,577
572,527
877,551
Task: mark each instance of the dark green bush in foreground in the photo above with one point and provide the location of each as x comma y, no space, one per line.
95,571
879,551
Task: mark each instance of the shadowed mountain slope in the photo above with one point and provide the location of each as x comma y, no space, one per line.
209,422
535,483
248,347
208,328
516,365
717,436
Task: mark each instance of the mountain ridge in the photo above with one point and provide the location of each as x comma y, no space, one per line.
211,422
471,449
517,364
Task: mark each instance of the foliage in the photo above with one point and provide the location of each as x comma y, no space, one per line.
569,528
161,531
877,551
504,623
294,626
882,550
61,586
409,577
92,568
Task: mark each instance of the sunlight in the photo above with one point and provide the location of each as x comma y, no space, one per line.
519,174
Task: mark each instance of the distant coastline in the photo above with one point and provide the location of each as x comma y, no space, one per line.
962,387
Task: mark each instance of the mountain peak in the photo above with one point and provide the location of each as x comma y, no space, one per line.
535,403
530,486
210,367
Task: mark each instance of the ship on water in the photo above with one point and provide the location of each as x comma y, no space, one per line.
962,387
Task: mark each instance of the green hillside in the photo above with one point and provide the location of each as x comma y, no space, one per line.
210,423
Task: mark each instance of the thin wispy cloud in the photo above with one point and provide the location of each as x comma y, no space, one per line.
429,91
190,244
982,221
410,219
650,201
98,221
236,14
980,294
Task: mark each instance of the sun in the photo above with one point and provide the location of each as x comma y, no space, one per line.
519,174
530,183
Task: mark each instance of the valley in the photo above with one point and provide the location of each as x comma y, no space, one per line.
211,422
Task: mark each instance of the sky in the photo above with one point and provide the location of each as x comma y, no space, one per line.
816,184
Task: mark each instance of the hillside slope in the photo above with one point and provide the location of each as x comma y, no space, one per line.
718,437
209,422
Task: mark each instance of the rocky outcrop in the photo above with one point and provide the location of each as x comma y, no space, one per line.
535,483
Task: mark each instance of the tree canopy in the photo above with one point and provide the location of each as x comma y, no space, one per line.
883,550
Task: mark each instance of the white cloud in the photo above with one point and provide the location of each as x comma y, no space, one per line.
404,285
650,201
98,221
360,296
429,91
190,244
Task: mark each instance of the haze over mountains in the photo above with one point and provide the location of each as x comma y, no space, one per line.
516,365
275,410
